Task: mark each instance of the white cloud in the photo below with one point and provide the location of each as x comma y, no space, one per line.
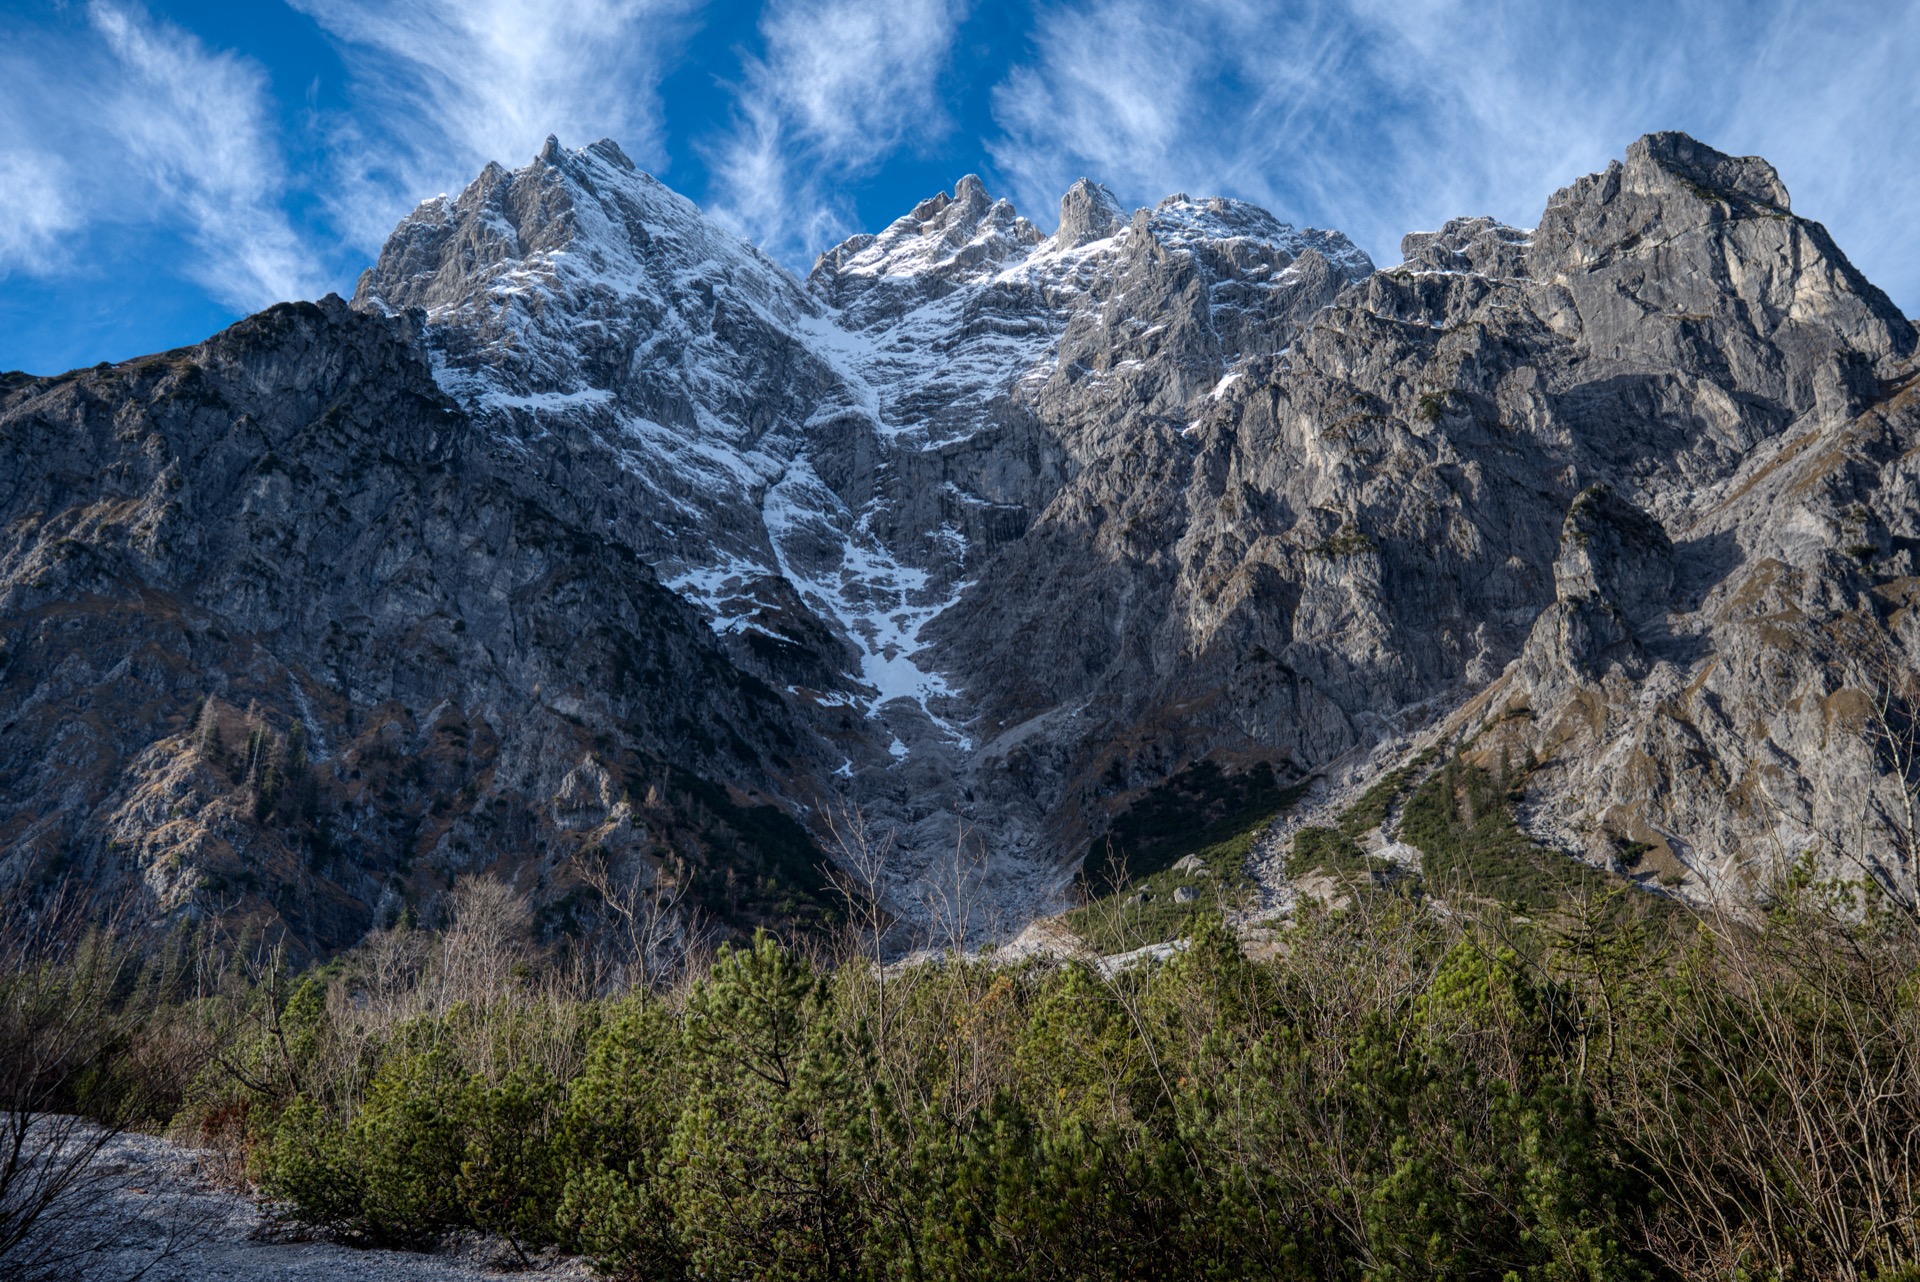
1385,116
443,86
841,86
194,125
1829,94
36,209
859,79
1521,98
181,139
1215,98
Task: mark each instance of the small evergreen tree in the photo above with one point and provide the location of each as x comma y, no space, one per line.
767,1154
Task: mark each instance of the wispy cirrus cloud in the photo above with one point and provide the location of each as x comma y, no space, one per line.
440,87
1223,100
841,86
195,124
1385,116
150,181
183,139
1509,100
36,207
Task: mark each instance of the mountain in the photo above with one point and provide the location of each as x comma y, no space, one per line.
864,479
587,528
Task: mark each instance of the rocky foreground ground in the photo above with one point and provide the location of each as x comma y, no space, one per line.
163,1213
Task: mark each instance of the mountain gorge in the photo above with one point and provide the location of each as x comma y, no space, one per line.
586,528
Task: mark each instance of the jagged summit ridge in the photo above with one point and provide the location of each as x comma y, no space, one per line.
1693,372
881,509
943,242
1087,212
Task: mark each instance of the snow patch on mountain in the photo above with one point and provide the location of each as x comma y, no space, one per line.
830,556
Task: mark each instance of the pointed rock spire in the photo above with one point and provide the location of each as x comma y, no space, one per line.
1088,212
609,150
1708,170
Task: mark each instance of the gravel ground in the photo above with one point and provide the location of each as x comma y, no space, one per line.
162,1218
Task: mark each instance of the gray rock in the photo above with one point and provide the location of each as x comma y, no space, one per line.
1088,212
984,532
285,634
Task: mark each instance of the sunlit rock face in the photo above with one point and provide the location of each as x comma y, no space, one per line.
979,530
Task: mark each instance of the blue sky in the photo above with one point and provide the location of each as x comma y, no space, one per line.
168,167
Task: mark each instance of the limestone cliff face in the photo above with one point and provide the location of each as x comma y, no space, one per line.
870,482
588,525
283,632
1626,493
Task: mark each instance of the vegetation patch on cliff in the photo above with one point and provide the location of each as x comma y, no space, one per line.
1178,851
1461,820
1336,850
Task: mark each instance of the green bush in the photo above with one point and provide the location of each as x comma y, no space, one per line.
410,1142
769,1148
511,1176
307,1165
615,1203
432,1148
1395,1094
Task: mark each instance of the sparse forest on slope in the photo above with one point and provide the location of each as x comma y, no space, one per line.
1608,1090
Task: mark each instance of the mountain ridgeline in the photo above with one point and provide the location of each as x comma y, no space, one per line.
587,532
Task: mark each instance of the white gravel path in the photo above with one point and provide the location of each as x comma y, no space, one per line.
167,1222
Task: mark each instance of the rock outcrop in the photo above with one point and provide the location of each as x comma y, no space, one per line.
1635,482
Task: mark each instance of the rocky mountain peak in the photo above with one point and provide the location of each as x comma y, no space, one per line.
513,272
1661,269
1088,212
1701,167
1675,199
1233,238
1002,532
1479,245
942,244
970,194
610,151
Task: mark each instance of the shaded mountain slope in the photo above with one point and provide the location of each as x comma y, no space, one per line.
280,633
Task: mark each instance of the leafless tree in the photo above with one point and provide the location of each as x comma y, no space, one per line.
66,1018
486,946
655,931
951,895
1801,1031
1892,726
862,857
